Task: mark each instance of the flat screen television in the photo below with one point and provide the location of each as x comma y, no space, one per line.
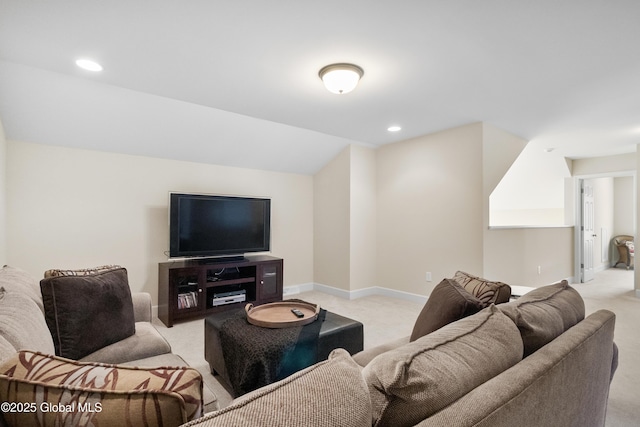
211,226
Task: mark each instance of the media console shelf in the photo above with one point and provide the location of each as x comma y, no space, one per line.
192,289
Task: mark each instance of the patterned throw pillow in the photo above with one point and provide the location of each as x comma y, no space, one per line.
487,291
49,390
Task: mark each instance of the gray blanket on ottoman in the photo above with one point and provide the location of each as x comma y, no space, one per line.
256,356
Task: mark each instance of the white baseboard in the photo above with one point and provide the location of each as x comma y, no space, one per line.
296,289
341,293
355,294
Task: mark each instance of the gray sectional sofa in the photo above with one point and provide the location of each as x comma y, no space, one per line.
472,360
534,361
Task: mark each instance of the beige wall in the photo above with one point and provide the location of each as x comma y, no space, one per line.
605,165
624,209
363,250
332,211
345,221
604,196
430,208
636,277
3,192
369,218
70,208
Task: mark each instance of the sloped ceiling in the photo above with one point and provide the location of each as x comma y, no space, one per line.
236,83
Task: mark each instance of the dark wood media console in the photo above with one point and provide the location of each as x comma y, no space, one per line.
193,289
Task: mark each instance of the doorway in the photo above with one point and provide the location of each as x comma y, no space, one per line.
587,232
604,207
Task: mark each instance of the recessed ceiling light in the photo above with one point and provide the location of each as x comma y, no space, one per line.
87,64
394,128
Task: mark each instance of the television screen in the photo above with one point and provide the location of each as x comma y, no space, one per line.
208,225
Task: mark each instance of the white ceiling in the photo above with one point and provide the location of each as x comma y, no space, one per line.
235,82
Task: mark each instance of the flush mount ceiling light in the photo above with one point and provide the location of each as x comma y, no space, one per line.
394,128
341,78
87,64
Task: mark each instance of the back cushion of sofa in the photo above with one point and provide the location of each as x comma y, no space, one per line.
414,381
22,324
544,313
329,393
15,280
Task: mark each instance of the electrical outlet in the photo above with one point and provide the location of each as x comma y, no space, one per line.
539,270
428,276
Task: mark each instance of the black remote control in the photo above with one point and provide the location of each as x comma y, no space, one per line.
297,312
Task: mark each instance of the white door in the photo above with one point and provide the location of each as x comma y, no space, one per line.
588,233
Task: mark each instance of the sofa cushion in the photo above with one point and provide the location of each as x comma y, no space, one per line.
544,313
98,394
22,325
86,313
329,393
14,279
447,303
146,342
487,291
210,400
364,357
412,382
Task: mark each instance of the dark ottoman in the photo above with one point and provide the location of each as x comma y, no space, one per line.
336,332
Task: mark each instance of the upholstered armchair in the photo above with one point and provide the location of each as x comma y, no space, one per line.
625,247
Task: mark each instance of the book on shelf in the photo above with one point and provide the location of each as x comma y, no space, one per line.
187,300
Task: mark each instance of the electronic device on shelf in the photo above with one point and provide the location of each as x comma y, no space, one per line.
231,297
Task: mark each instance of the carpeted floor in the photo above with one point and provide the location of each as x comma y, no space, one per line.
387,318
612,289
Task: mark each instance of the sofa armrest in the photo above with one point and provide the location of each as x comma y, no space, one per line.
364,357
141,306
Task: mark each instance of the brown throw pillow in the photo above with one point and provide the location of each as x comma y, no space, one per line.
487,291
545,313
87,313
447,303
